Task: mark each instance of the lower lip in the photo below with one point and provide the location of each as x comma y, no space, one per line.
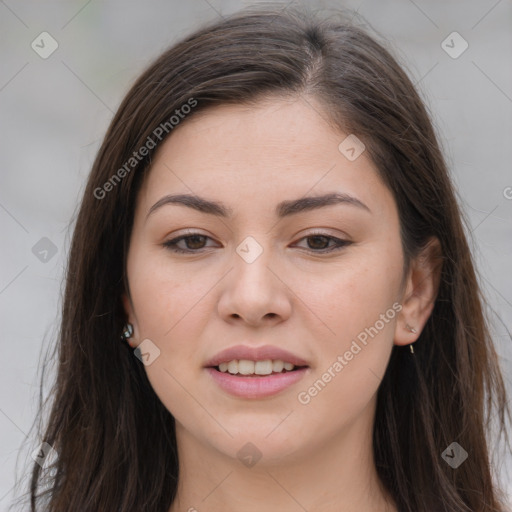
258,386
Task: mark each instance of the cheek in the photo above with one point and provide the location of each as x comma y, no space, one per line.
355,292
359,309
163,298
344,383
171,310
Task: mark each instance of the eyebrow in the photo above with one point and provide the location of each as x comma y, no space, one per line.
283,209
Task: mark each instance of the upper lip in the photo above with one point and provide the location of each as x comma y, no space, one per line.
255,354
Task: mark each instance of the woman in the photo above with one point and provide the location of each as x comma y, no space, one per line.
270,229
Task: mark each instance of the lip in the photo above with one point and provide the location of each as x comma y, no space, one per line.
257,386
255,354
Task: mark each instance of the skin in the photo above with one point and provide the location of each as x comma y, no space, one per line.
316,456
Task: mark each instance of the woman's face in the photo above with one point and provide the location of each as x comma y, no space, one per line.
260,275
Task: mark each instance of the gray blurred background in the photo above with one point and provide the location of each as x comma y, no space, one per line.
55,107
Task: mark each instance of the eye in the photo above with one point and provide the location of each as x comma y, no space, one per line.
194,240
194,243
320,242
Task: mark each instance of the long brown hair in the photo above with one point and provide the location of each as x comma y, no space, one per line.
115,440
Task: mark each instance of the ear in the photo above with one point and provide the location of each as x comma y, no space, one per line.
130,317
420,293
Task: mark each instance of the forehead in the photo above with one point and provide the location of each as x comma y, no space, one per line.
275,129
280,148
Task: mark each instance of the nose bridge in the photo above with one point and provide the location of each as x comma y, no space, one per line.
253,291
252,261
251,250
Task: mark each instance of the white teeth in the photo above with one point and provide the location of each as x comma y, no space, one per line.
233,367
247,367
263,367
278,365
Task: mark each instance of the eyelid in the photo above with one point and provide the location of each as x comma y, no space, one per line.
323,232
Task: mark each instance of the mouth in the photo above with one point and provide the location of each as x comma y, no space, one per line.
263,368
256,380
256,372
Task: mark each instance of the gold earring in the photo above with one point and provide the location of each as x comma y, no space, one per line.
411,348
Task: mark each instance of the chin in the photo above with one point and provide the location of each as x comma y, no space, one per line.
257,443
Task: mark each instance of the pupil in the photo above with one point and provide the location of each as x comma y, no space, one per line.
317,238
192,239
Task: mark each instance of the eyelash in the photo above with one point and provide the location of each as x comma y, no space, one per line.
172,244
